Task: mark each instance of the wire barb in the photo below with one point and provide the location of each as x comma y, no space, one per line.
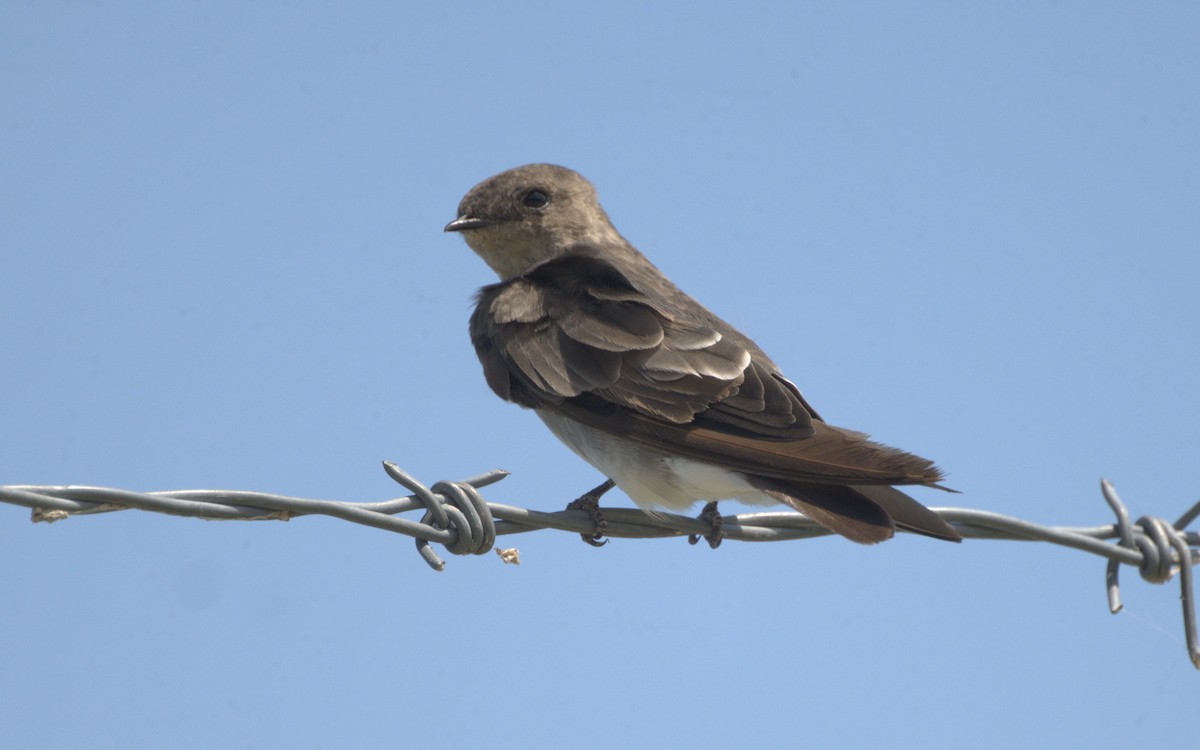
467,515
457,517
1164,550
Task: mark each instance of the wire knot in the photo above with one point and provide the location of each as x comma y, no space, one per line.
456,507
1156,542
1164,550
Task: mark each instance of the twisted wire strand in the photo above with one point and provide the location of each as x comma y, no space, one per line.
457,517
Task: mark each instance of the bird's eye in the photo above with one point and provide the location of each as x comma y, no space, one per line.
535,199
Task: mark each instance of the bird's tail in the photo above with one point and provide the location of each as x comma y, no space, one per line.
867,514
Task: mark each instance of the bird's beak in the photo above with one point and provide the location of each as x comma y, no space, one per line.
466,223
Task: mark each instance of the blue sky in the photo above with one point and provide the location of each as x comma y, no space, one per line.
969,229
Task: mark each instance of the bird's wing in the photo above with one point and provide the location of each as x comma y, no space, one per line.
829,455
576,326
574,335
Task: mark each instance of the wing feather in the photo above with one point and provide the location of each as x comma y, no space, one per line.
577,325
576,335
612,326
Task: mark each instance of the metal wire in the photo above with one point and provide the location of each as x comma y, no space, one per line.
457,517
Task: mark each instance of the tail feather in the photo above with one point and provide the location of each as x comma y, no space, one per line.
867,514
836,507
908,513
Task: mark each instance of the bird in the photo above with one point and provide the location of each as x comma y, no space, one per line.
671,403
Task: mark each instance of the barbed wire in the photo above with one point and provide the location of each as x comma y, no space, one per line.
457,517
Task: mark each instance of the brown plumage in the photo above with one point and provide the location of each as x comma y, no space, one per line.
643,381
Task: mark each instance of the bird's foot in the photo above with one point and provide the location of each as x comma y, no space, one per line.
590,503
717,532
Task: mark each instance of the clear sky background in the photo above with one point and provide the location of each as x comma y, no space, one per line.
969,229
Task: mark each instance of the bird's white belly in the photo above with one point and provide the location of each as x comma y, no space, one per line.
651,478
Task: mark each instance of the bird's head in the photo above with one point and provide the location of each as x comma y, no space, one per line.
528,215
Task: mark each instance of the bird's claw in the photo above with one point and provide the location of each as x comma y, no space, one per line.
717,532
589,502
